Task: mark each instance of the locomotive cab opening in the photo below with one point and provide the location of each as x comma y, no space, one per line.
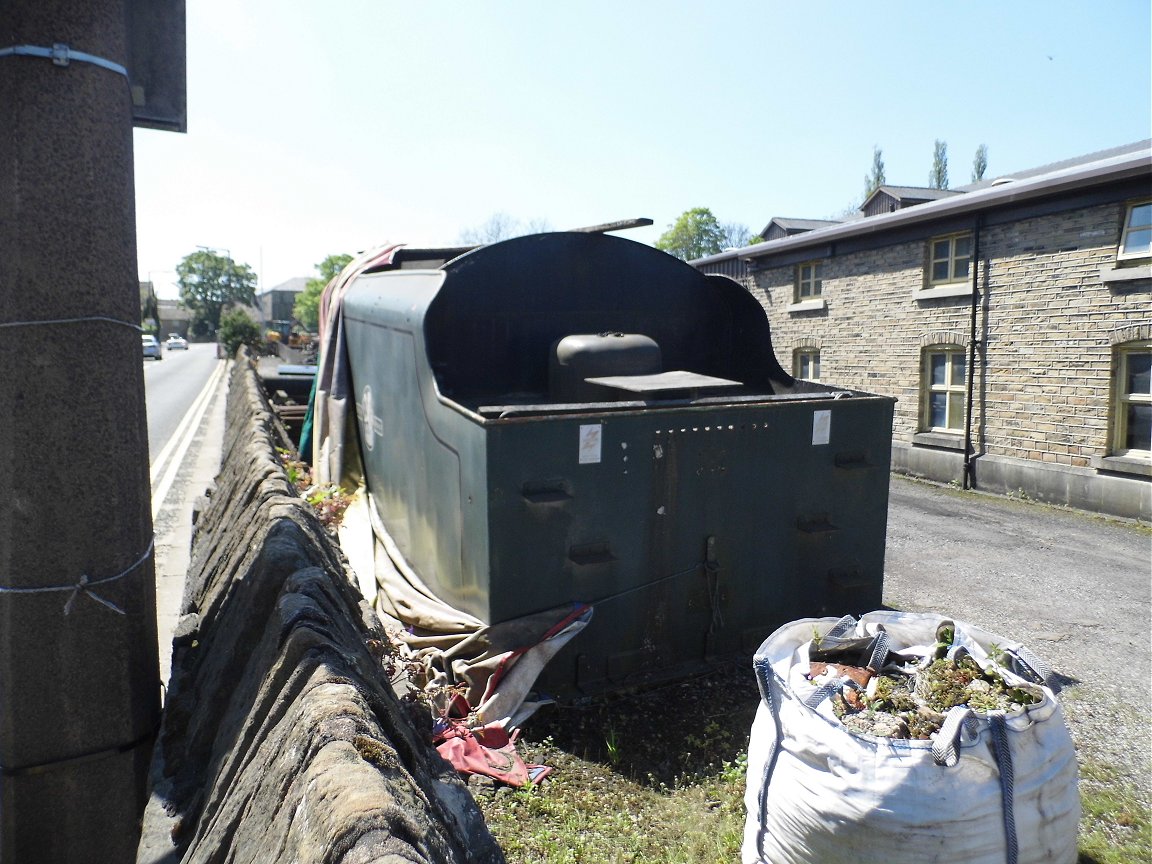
568,318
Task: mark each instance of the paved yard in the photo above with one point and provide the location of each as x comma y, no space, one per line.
1074,588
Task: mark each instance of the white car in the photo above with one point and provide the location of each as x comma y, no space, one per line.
151,347
176,342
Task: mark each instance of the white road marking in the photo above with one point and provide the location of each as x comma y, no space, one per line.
172,455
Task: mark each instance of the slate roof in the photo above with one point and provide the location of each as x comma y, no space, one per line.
1112,165
793,225
294,285
911,193
1123,150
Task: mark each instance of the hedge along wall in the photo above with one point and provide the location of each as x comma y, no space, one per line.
282,740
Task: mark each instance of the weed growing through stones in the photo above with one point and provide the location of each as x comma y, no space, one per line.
329,500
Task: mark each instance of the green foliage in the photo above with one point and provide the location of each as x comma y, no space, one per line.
1116,826
694,235
306,310
209,283
875,179
237,328
329,500
938,178
980,163
599,815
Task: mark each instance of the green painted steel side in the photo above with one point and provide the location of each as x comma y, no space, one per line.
693,526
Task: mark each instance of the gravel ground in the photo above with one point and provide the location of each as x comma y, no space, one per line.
1074,588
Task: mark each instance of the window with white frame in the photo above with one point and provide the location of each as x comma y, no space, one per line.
809,285
806,364
1136,240
1132,400
942,389
949,258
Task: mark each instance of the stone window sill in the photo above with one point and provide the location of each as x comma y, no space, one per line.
941,440
816,305
1120,277
1123,465
957,289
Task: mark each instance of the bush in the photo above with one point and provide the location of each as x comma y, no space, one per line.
237,328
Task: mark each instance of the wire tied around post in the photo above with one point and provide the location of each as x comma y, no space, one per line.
81,320
83,586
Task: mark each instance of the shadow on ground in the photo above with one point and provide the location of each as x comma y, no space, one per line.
685,729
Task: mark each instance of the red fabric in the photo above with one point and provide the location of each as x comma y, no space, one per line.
487,750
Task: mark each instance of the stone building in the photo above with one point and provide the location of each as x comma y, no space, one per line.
1028,373
276,303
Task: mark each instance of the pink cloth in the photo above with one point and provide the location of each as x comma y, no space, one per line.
487,750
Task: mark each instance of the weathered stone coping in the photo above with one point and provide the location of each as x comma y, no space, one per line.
282,740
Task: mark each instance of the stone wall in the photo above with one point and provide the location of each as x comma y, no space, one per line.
282,740
1047,324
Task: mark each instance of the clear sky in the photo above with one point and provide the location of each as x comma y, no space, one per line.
316,129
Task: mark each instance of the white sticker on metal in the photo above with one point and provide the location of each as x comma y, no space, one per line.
821,427
590,444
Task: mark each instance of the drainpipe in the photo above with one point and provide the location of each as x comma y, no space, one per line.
972,344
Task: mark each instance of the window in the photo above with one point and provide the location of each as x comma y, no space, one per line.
1132,405
949,258
942,389
1136,241
806,364
809,285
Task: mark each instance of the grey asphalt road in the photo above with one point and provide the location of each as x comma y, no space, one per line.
1074,588
171,385
191,440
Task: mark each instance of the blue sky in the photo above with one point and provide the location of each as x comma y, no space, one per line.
316,129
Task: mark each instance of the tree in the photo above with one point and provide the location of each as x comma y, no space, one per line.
938,179
737,235
695,234
306,309
501,226
237,328
874,180
980,163
209,283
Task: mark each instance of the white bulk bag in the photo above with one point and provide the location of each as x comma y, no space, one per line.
990,789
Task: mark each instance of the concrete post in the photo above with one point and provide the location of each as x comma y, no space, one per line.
79,681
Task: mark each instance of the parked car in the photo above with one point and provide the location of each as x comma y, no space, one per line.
176,342
151,347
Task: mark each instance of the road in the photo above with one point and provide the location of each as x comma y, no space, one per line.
184,393
171,386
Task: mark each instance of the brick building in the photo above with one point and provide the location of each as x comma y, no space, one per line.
1028,373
